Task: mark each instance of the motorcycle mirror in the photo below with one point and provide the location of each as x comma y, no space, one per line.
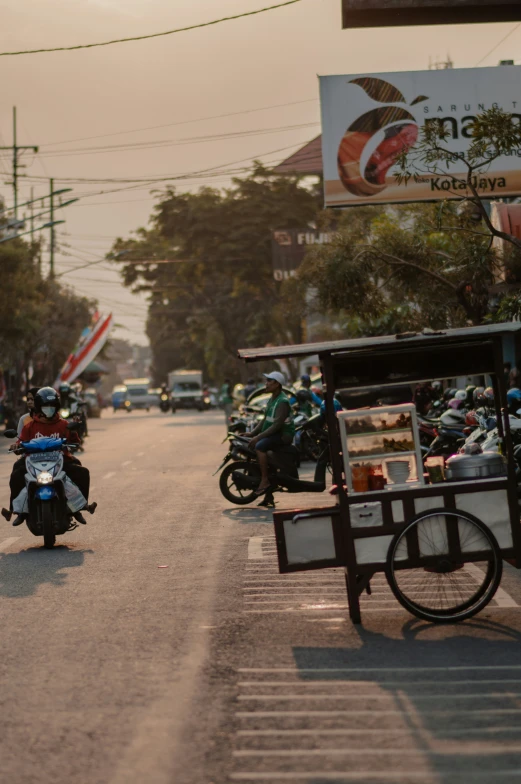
10,433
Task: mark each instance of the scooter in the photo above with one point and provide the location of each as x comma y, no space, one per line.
49,498
166,403
240,479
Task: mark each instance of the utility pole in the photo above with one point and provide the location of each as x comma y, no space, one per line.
17,150
51,221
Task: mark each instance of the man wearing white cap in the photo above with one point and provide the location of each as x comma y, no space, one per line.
275,430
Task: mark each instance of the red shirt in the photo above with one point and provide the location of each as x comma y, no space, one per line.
52,428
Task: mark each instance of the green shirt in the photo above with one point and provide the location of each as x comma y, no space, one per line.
271,413
225,394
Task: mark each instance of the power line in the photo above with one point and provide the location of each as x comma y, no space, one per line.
182,122
151,179
137,146
499,43
153,35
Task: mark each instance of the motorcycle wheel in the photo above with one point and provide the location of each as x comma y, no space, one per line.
310,448
49,537
228,487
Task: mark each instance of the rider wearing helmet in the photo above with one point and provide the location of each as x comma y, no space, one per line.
514,400
47,423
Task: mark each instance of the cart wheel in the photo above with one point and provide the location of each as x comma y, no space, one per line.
426,566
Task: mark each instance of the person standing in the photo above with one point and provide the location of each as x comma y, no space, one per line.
227,401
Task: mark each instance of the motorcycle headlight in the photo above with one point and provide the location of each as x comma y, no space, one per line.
164,397
207,400
44,478
65,413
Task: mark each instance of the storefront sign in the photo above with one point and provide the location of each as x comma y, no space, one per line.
395,13
368,120
289,248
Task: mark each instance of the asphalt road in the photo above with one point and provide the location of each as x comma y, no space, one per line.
159,645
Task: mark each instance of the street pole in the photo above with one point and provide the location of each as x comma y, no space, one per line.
17,150
51,219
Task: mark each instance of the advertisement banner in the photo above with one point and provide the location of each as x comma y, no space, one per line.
368,120
289,248
91,342
396,13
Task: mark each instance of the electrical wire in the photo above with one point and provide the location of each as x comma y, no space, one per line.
499,43
137,146
181,122
153,35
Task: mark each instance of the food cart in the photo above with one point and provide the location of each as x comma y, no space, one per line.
441,544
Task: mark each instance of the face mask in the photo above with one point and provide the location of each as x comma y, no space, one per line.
48,411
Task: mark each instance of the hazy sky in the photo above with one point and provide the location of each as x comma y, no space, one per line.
115,92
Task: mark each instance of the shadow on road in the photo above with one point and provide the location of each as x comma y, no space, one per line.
21,573
249,515
457,696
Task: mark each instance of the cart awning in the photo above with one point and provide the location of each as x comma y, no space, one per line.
428,338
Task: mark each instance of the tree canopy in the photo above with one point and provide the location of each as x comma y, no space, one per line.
41,320
206,262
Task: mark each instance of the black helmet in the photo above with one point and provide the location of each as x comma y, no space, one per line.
303,396
64,388
46,402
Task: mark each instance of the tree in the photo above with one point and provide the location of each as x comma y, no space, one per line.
493,133
402,268
217,292
41,320
424,265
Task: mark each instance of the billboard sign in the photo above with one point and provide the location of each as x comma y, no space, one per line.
368,120
396,13
289,248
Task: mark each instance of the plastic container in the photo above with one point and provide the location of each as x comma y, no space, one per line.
436,469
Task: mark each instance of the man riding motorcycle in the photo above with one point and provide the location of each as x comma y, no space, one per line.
275,430
47,423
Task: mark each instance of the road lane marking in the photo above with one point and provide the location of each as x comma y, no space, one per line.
503,599
111,473
255,548
7,543
371,751
335,683
126,463
140,454
393,731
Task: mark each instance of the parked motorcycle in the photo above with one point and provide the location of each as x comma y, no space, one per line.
51,498
241,477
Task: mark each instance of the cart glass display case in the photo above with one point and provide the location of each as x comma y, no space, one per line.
381,448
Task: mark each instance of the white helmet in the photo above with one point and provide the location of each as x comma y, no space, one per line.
460,395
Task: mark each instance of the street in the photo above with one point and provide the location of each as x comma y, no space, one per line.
159,645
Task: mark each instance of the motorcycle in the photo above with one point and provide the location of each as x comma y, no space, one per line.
49,498
166,403
240,479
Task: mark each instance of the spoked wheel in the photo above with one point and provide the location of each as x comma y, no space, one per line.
49,537
231,491
444,566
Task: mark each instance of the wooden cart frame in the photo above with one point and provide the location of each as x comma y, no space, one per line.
402,360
